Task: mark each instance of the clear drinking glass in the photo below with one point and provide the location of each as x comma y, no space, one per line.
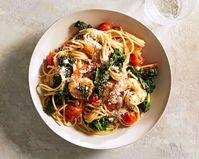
166,12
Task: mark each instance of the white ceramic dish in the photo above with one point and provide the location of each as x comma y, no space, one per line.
153,52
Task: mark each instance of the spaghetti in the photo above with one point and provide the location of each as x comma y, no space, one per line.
95,81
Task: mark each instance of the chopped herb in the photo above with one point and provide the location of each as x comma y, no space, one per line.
82,25
100,124
56,80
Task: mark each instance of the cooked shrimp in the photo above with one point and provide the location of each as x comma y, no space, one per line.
135,94
131,90
80,87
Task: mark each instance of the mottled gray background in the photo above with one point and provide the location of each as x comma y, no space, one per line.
23,135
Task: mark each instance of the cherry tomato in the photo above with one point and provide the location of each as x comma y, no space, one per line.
49,59
93,98
105,26
136,59
128,118
111,106
73,111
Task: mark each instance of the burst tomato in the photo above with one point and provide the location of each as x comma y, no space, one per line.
73,111
111,106
105,26
128,118
49,59
136,59
93,98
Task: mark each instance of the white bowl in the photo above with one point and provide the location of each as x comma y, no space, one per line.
153,52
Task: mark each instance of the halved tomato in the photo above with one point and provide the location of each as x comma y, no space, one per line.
73,111
136,59
105,26
49,59
128,118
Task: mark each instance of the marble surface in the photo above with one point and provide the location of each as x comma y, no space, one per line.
23,135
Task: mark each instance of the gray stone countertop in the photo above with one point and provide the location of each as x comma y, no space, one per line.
23,135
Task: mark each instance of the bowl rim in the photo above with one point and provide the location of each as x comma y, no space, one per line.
114,12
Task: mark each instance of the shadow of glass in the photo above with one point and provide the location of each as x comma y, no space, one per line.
18,117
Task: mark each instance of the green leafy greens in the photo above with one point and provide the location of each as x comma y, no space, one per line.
84,90
49,109
82,25
100,124
147,79
145,106
101,77
56,80
66,63
117,59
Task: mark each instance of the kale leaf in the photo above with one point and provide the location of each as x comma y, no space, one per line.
146,77
82,25
80,36
66,92
149,76
101,77
98,89
49,109
117,59
66,61
58,98
100,124
104,75
56,80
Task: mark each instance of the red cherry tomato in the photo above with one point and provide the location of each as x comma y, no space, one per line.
73,111
105,26
136,59
128,118
111,106
93,98
49,59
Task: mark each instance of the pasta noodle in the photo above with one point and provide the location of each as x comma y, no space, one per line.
94,82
